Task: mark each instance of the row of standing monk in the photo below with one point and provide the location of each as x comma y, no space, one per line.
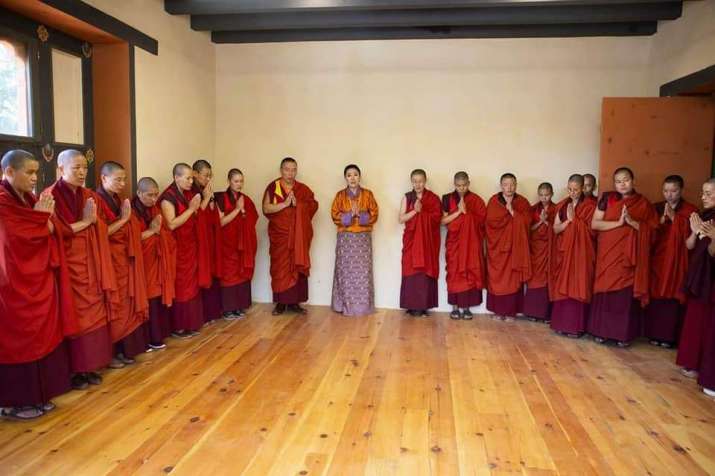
97,280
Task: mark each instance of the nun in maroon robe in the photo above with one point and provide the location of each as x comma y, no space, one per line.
36,309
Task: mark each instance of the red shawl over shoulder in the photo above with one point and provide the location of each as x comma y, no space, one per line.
88,257
465,243
159,253
669,256
129,307
290,232
421,240
238,239
36,307
508,254
623,254
539,240
193,270
573,255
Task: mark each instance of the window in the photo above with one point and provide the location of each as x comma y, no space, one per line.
67,97
15,113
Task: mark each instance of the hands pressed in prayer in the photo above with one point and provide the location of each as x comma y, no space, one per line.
570,212
195,203
668,212
543,217
208,189
509,207
696,223
628,220
707,229
418,205
462,206
155,225
89,214
241,205
46,203
126,210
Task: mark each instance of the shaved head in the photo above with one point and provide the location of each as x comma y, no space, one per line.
108,168
66,156
15,159
146,183
180,169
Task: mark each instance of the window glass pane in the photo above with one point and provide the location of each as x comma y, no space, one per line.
67,95
14,90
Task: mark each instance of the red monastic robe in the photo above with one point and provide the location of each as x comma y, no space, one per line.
539,245
238,240
573,256
290,232
159,253
508,255
128,306
88,257
36,306
623,254
421,237
465,243
669,256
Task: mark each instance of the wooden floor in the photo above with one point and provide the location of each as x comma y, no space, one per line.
325,394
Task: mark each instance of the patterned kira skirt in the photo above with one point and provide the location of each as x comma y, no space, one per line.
353,289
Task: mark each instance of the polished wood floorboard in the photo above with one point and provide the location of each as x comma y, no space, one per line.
382,395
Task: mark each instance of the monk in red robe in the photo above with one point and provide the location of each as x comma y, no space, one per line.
668,265
464,213
536,299
289,206
697,342
179,208
89,262
128,306
508,258
36,312
589,187
210,223
239,244
159,253
625,222
572,261
421,213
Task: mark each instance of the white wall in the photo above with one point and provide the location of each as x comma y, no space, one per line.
486,106
683,46
529,106
175,91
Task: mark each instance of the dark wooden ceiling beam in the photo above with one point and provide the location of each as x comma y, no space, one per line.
223,7
529,15
437,32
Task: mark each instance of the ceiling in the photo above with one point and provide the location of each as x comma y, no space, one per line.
266,21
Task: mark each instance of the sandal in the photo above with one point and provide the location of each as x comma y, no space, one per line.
22,413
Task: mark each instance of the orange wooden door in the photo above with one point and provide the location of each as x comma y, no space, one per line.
657,137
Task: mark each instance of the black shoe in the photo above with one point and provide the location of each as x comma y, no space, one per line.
126,360
599,340
424,313
94,378
182,334
574,336
79,382
297,309
455,315
467,315
229,316
623,344
279,309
